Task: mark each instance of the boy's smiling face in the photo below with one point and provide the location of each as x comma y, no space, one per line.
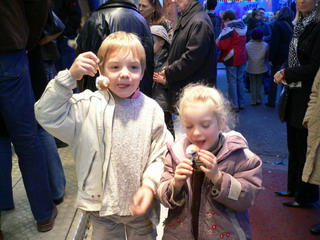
124,73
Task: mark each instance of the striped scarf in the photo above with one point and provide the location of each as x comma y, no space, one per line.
299,28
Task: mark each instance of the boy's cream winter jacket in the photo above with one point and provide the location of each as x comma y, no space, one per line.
84,121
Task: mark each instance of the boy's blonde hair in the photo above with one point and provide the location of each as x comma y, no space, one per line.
121,43
210,97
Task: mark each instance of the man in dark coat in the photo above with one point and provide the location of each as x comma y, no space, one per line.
113,16
191,57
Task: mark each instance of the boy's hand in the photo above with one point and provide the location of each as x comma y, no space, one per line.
85,64
141,200
210,166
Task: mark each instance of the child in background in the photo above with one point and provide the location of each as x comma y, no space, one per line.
210,201
160,91
116,179
257,55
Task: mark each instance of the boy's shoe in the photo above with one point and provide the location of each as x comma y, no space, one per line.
272,105
58,201
1,236
45,226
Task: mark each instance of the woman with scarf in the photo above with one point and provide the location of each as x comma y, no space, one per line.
303,64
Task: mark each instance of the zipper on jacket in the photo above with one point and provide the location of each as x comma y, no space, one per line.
89,171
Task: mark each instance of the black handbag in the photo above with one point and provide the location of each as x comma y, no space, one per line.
283,101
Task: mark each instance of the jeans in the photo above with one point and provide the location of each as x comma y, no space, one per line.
50,69
235,85
6,195
17,111
118,227
57,178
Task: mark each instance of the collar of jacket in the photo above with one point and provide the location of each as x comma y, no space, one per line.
184,18
117,3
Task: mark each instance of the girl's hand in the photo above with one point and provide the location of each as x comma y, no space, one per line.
183,172
141,201
85,64
210,166
159,77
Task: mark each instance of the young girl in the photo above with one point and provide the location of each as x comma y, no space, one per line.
210,201
116,178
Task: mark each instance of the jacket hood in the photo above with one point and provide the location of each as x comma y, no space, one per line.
238,25
233,141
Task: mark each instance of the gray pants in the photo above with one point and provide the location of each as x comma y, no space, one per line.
255,87
122,227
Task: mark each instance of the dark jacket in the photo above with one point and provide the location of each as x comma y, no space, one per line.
191,57
113,16
279,42
18,29
309,59
70,14
217,24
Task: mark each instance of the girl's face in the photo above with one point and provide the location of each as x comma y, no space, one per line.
201,125
146,9
124,73
305,6
157,44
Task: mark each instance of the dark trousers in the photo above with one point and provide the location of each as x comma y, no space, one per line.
272,97
17,111
297,147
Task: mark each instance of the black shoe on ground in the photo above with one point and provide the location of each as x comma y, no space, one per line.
285,193
295,204
45,226
58,201
315,229
256,104
271,105
1,236
61,145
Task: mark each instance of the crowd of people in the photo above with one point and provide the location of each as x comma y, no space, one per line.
134,70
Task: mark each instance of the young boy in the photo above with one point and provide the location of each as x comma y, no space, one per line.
160,91
257,52
117,136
